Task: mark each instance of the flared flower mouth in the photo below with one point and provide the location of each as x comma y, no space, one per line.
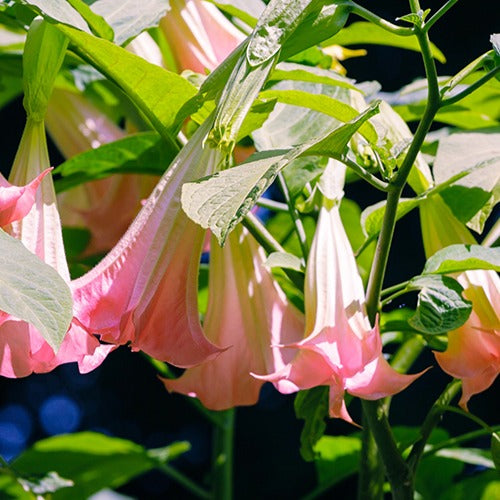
248,312
22,348
473,352
340,348
144,292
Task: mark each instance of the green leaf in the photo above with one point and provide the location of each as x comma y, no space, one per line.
480,190
278,21
495,450
246,10
96,23
11,81
164,97
92,461
483,486
58,11
337,457
33,291
302,73
372,216
323,104
43,55
284,260
441,307
473,456
365,33
435,476
311,406
143,153
128,18
220,201
458,258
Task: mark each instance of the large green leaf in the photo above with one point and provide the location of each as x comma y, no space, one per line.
365,33
337,457
96,23
440,306
164,97
246,10
59,11
92,461
33,291
473,197
11,82
458,258
220,201
128,18
482,486
143,153
311,406
275,25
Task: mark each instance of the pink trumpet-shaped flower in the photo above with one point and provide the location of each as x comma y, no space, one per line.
22,348
473,353
105,207
340,348
16,201
144,292
199,35
248,312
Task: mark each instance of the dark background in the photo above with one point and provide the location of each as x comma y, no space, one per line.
123,397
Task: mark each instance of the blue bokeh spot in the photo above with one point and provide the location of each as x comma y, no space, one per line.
60,414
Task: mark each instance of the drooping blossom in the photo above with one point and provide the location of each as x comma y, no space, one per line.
105,207
22,348
249,314
473,352
16,201
199,35
144,292
340,348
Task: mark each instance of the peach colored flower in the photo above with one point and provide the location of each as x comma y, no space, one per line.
473,353
248,313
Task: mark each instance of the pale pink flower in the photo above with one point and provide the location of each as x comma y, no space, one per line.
16,201
247,312
144,292
105,207
22,348
340,348
199,35
473,353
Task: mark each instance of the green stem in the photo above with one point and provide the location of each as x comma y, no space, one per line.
294,214
471,88
493,236
433,418
453,442
382,23
261,234
395,288
399,474
223,457
275,206
371,470
468,415
184,481
440,13
364,174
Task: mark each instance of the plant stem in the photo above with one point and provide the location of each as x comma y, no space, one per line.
273,205
294,214
183,481
491,239
432,419
261,234
371,470
378,21
398,472
223,457
469,436
364,174
471,88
